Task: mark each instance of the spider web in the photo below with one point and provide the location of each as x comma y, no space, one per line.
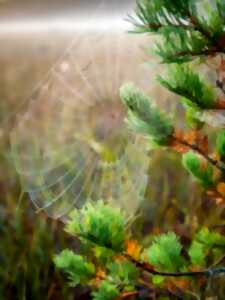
72,144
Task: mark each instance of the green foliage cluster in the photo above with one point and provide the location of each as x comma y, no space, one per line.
78,270
186,30
200,96
165,253
143,117
106,291
100,223
202,171
182,20
102,231
121,273
205,245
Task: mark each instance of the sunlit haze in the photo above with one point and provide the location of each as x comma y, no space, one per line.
106,23
67,16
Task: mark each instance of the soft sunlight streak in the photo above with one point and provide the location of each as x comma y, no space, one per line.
102,24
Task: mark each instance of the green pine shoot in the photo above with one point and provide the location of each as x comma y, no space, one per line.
100,224
198,168
144,117
106,291
187,29
79,271
165,253
197,253
183,81
124,273
210,238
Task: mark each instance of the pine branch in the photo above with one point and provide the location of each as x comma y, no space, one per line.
219,261
194,21
145,118
203,52
179,25
221,43
219,165
220,82
221,86
192,24
148,268
146,290
150,26
184,81
127,295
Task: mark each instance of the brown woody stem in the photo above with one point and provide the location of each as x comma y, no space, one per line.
148,268
195,148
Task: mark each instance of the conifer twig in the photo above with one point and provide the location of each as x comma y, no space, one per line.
127,295
220,85
198,27
195,148
158,292
205,52
219,261
148,268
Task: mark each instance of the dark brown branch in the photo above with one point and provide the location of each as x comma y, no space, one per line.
221,42
198,27
221,86
151,292
219,261
220,82
148,268
203,52
156,27
218,226
127,295
217,164
191,24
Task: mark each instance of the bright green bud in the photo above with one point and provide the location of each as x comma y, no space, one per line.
143,117
198,168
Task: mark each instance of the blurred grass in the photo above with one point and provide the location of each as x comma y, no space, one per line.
28,243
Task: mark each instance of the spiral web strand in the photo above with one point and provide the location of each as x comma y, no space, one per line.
72,144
